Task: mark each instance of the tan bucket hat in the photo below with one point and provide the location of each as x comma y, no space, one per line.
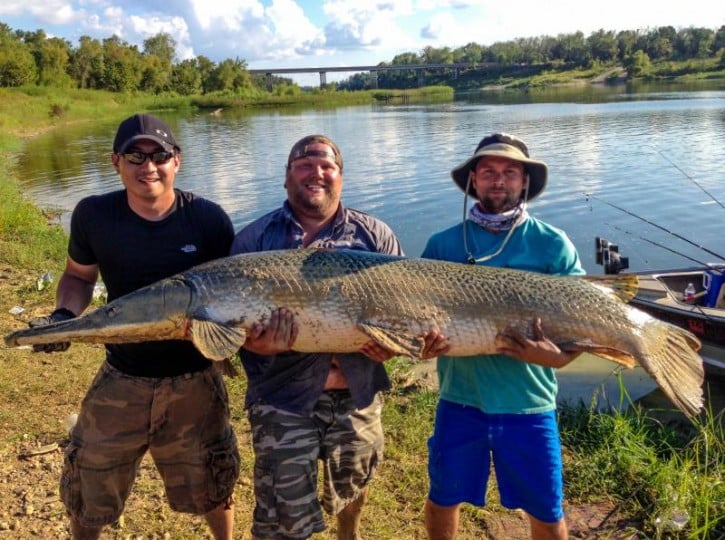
505,146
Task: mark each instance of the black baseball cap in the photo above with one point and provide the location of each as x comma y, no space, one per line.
144,127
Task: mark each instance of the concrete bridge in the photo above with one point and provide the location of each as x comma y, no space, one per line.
374,70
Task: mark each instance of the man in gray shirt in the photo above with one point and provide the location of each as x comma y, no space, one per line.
309,407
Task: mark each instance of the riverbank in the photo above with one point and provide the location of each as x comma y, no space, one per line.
623,472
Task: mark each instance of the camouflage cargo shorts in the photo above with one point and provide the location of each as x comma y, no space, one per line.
182,421
287,447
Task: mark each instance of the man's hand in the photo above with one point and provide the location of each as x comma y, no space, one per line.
60,314
539,350
276,337
376,352
436,344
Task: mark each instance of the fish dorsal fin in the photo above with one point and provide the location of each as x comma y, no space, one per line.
608,353
214,340
623,286
403,344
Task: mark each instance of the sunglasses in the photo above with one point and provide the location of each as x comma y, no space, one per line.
138,158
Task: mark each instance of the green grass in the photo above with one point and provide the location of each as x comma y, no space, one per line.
655,471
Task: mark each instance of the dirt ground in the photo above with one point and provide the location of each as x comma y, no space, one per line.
33,434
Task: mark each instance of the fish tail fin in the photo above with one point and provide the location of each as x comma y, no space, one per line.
674,363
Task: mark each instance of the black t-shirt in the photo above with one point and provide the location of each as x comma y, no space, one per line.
132,252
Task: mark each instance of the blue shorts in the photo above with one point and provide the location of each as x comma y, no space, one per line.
526,454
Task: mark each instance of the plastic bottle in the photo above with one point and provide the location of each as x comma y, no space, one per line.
689,294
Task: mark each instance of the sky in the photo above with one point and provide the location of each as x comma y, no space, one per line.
320,33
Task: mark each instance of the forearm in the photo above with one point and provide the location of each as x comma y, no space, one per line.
74,293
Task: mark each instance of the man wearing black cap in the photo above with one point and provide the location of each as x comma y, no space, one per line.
500,408
160,396
309,407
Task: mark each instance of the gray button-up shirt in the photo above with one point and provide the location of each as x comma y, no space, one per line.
294,381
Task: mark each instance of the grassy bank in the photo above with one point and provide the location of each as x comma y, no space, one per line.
634,475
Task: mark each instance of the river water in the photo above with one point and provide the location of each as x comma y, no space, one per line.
617,158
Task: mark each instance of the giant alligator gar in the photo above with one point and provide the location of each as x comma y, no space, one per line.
342,299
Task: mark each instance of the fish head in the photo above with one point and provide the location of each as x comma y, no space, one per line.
153,313
158,309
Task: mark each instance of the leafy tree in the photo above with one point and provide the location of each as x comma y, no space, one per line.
407,58
501,53
52,57
155,76
86,64
660,48
358,81
695,42
626,43
122,65
206,69
572,48
160,51
663,40
186,78
704,39
161,45
638,64
32,39
17,64
719,40
471,53
530,51
431,55
230,75
603,45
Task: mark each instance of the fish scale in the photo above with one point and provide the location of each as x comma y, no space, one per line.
342,299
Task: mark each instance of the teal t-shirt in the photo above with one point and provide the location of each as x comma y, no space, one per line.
499,384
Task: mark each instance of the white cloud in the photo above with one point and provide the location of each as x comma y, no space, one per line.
145,27
361,25
441,28
49,12
294,33
429,5
248,30
223,15
110,23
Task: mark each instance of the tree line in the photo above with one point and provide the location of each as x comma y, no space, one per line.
633,49
28,58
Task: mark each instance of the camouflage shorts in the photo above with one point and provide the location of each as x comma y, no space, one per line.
182,421
287,446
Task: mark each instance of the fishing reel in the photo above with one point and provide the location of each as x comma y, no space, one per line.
607,255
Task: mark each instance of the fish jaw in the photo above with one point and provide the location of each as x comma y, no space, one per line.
153,313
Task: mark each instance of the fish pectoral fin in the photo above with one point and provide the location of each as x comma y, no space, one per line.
608,353
214,340
403,344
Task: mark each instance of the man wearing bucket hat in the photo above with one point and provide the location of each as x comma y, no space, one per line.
500,408
163,397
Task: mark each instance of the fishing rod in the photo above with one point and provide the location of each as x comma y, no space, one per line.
689,177
696,306
660,227
654,243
